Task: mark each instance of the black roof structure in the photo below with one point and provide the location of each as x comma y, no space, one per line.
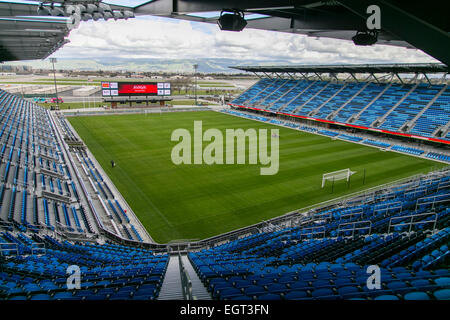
423,68
413,24
25,34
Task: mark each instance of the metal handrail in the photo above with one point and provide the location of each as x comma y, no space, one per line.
313,231
354,227
433,200
186,283
38,248
386,207
4,248
411,221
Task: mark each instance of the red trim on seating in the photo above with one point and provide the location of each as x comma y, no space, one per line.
347,125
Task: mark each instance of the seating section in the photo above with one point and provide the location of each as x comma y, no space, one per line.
404,229
299,104
438,156
253,91
436,116
343,136
107,271
376,143
357,105
347,92
327,257
409,150
38,190
383,104
350,138
291,91
420,109
410,107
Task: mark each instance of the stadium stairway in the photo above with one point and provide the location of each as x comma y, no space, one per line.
171,286
198,289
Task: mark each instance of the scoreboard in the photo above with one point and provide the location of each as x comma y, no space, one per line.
117,89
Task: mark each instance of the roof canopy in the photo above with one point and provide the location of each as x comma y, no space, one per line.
26,35
350,68
403,23
413,24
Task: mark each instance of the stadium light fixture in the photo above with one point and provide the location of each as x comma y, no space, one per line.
195,86
118,15
232,20
43,11
91,8
57,12
74,19
365,38
107,15
96,16
53,61
82,8
86,17
70,10
103,7
128,14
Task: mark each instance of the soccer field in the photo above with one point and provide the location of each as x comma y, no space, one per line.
199,201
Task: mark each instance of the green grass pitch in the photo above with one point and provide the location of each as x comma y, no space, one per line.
199,201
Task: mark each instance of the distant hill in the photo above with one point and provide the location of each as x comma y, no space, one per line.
118,64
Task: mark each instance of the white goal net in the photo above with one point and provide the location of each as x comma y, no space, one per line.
337,175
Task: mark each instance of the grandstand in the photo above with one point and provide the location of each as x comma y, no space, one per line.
59,208
408,108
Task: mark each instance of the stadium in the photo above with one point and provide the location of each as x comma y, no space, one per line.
317,182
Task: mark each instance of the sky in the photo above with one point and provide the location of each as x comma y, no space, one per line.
156,37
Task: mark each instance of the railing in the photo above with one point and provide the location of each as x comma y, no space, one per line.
411,221
386,207
365,225
80,112
352,214
38,248
432,200
8,249
6,225
311,232
186,284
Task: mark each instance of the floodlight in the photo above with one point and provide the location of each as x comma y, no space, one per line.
43,11
103,7
57,12
128,14
74,19
233,21
107,15
117,15
365,38
96,16
71,9
82,8
86,17
91,8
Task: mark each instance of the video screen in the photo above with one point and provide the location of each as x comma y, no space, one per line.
110,89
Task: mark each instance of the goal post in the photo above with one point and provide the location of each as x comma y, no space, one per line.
337,175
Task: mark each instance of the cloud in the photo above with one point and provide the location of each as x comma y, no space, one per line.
154,37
